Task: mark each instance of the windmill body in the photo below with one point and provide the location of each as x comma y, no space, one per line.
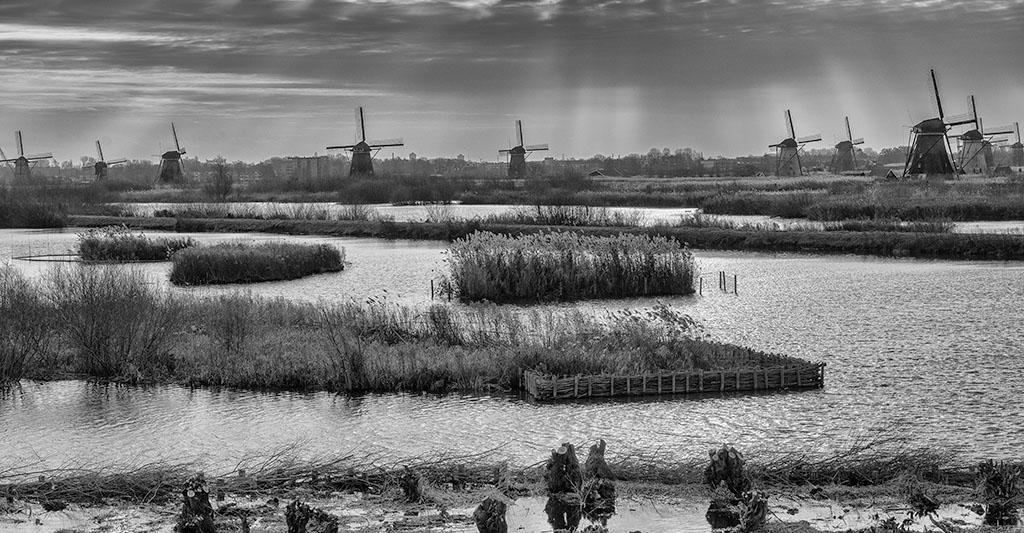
171,170
977,155
845,157
363,150
930,153
787,151
517,168
23,163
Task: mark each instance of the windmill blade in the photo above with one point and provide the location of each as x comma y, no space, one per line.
99,151
1016,128
972,109
519,133
858,140
959,120
344,147
506,151
849,132
116,162
1000,130
46,155
935,94
789,125
386,142
360,126
177,145
536,147
809,139
17,140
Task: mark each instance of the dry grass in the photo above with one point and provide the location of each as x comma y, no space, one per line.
118,243
248,263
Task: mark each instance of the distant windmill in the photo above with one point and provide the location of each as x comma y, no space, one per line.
23,163
845,158
171,170
976,145
787,152
101,164
1017,149
517,154
930,151
363,150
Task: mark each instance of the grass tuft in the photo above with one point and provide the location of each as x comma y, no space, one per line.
248,263
118,243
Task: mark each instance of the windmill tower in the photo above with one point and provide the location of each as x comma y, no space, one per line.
171,170
845,158
787,152
100,167
930,151
1017,149
517,154
23,163
363,150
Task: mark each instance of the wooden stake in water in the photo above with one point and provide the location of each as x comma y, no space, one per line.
735,290
431,289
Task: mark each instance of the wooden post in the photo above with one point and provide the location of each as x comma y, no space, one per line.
701,281
490,516
431,289
196,512
734,289
562,472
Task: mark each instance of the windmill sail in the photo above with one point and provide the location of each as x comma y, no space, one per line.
519,133
790,131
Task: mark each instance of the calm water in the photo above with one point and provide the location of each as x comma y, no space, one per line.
645,215
930,349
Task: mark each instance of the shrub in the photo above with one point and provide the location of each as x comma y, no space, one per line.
118,243
25,330
567,266
247,263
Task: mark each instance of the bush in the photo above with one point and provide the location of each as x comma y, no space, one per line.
25,330
118,243
567,266
247,263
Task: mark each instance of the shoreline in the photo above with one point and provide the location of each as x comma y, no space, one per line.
952,246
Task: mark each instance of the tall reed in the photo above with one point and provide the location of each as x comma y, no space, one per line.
248,263
118,243
567,266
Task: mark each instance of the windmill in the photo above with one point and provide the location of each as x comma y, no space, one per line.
845,158
930,151
1017,149
23,163
787,152
976,145
363,150
101,164
517,154
171,170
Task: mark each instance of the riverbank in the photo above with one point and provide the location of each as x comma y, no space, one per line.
980,247
857,488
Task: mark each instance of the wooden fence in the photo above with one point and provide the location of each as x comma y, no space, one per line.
544,387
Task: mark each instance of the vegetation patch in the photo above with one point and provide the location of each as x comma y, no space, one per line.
104,322
567,266
25,208
118,243
248,263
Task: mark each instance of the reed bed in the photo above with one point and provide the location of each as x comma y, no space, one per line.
569,215
297,211
120,244
248,263
561,266
107,323
701,220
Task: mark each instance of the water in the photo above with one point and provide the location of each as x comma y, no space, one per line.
930,349
645,215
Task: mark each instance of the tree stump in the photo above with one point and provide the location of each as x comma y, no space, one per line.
562,472
412,485
1000,491
196,512
753,512
595,465
599,497
727,467
490,516
564,511
302,518
723,511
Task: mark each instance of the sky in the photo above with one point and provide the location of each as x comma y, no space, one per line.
251,79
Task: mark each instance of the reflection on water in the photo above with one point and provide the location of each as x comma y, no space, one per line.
931,349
